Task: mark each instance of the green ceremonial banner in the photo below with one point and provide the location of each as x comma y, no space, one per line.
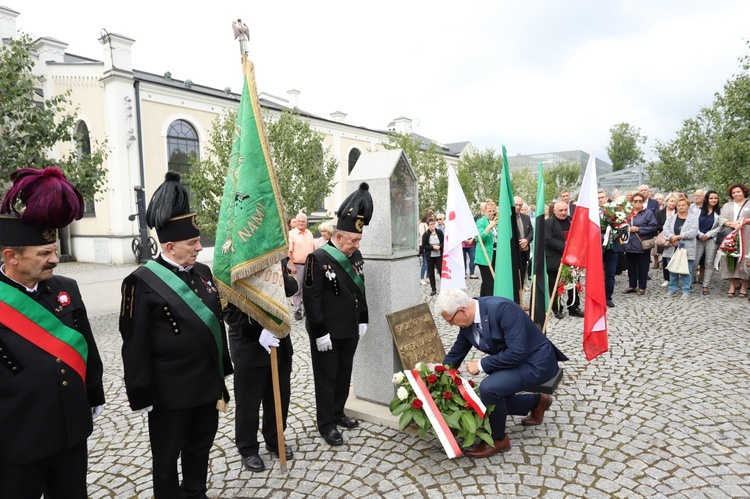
540,291
251,236
507,268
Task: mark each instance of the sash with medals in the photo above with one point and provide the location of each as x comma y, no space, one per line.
187,304
38,325
344,262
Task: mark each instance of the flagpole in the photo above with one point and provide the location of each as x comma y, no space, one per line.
487,257
277,408
552,301
241,33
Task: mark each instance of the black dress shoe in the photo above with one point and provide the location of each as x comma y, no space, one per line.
559,314
288,452
347,422
610,303
333,437
254,463
575,312
298,315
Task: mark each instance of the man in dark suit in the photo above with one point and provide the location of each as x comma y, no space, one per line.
565,198
50,369
337,315
556,230
249,346
519,358
525,238
174,347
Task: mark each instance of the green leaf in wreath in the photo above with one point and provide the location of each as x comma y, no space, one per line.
419,418
401,409
468,422
423,431
469,440
486,437
404,420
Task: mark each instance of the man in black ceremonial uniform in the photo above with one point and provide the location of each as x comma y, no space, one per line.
336,308
50,369
174,347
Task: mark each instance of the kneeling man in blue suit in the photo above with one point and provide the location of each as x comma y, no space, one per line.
519,358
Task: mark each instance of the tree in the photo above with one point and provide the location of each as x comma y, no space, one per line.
560,177
208,175
429,166
30,128
524,184
624,146
304,169
479,176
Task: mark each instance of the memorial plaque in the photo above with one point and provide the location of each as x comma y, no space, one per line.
416,336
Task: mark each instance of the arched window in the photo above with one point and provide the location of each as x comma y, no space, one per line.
182,146
354,155
83,148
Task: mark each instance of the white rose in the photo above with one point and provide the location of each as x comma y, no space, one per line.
398,378
418,365
402,393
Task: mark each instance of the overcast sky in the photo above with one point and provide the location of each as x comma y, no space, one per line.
536,76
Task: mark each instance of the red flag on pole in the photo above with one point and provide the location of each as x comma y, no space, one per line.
584,250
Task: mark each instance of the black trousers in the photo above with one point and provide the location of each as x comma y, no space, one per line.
638,264
433,263
187,434
252,386
332,372
60,476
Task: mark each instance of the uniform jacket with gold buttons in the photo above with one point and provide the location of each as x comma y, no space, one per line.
170,361
45,406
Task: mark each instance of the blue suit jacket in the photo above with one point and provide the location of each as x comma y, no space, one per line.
511,340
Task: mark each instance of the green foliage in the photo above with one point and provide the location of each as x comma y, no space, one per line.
304,169
429,167
208,175
624,149
463,421
559,178
711,149
524,184
479,176
30,127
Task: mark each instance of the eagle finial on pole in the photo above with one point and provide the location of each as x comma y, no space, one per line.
242,33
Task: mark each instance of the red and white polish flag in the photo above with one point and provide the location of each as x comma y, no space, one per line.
459,226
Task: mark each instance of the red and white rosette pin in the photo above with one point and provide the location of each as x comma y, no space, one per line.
63,299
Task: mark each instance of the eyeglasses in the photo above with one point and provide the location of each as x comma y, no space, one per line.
639,201
440,219
453,317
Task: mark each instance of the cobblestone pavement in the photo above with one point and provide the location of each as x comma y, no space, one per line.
664,414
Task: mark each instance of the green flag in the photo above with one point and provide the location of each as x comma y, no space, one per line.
507,268
251,236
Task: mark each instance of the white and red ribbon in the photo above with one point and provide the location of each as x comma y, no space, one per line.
469,395
443,432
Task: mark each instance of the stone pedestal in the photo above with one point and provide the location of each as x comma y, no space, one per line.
389,246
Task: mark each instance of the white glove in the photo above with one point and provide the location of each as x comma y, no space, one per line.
324,343
362,330
146,409
97,411
267,340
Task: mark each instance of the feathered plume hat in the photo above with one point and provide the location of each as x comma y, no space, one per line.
49,202
356,210
169,211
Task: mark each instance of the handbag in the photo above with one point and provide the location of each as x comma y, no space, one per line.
647,244
678,264
661,241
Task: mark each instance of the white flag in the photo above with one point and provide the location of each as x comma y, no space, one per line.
459,226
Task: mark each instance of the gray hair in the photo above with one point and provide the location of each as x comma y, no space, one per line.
451,299
326,226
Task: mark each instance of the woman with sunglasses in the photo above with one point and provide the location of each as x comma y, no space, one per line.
642,228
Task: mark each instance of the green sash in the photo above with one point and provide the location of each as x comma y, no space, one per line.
345,264
193,301
40,326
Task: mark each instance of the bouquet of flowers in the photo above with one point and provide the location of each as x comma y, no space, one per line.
443,384
615,218
731,248
570,278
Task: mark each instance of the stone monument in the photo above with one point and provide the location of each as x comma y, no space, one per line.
389,247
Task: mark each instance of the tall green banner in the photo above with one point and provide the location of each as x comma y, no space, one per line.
251,236
507,267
